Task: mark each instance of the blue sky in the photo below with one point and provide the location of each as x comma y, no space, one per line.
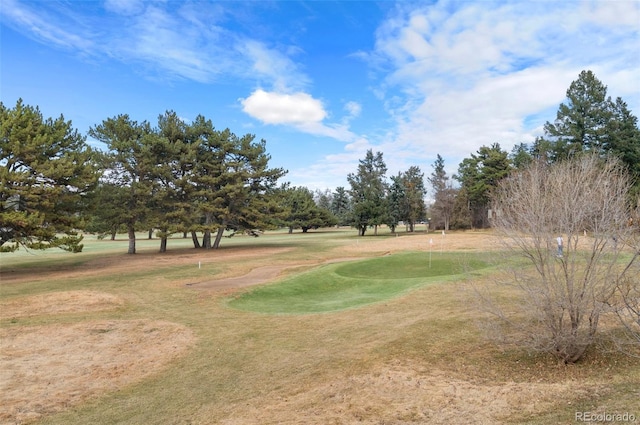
322,81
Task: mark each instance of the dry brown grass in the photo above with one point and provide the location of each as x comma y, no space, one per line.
152,350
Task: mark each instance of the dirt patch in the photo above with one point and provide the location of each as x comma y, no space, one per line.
143,260
46,369
58,303
408,394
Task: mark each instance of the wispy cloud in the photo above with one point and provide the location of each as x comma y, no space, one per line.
272,66
170,40
472,73
450,76
44,26
176,40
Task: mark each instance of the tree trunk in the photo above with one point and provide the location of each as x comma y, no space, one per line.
163,244
194,238
219,234
113,235
362,230
184,235
375,230
290,229
150,233
206,239
132,240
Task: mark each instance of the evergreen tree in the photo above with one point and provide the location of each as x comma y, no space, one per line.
302,212
233,185
46,171
521,156
341,206
128,166
581,122
174,159
478,175
412,191
623,141
368,192
396,201
443,193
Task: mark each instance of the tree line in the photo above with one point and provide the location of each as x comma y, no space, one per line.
190,178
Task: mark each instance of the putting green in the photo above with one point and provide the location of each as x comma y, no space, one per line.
352,284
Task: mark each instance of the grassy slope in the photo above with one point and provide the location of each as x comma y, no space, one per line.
246,360
353,284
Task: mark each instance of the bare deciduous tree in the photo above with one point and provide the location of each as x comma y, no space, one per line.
628,306
563,296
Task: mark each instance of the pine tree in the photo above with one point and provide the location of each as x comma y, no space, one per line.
368,193
581,122
46,172
443,195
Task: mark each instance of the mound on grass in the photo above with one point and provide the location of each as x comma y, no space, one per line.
341,286
47,368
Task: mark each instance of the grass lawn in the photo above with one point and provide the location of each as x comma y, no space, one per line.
105,338
352,284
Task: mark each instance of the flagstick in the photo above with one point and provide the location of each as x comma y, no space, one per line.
430,249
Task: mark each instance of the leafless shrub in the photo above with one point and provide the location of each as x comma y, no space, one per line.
628,303
561,298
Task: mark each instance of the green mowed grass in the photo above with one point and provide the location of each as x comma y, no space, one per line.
352,284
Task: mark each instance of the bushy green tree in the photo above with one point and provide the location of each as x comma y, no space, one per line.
406,198
302,212
623,141
341,206
589,121
368,192
234,187
128,165
174,156
46,171
581,122
478,175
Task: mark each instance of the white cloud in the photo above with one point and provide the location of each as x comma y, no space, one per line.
298,110
155,39
613,13
281,108
473,74
42,25
353,109
273,66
